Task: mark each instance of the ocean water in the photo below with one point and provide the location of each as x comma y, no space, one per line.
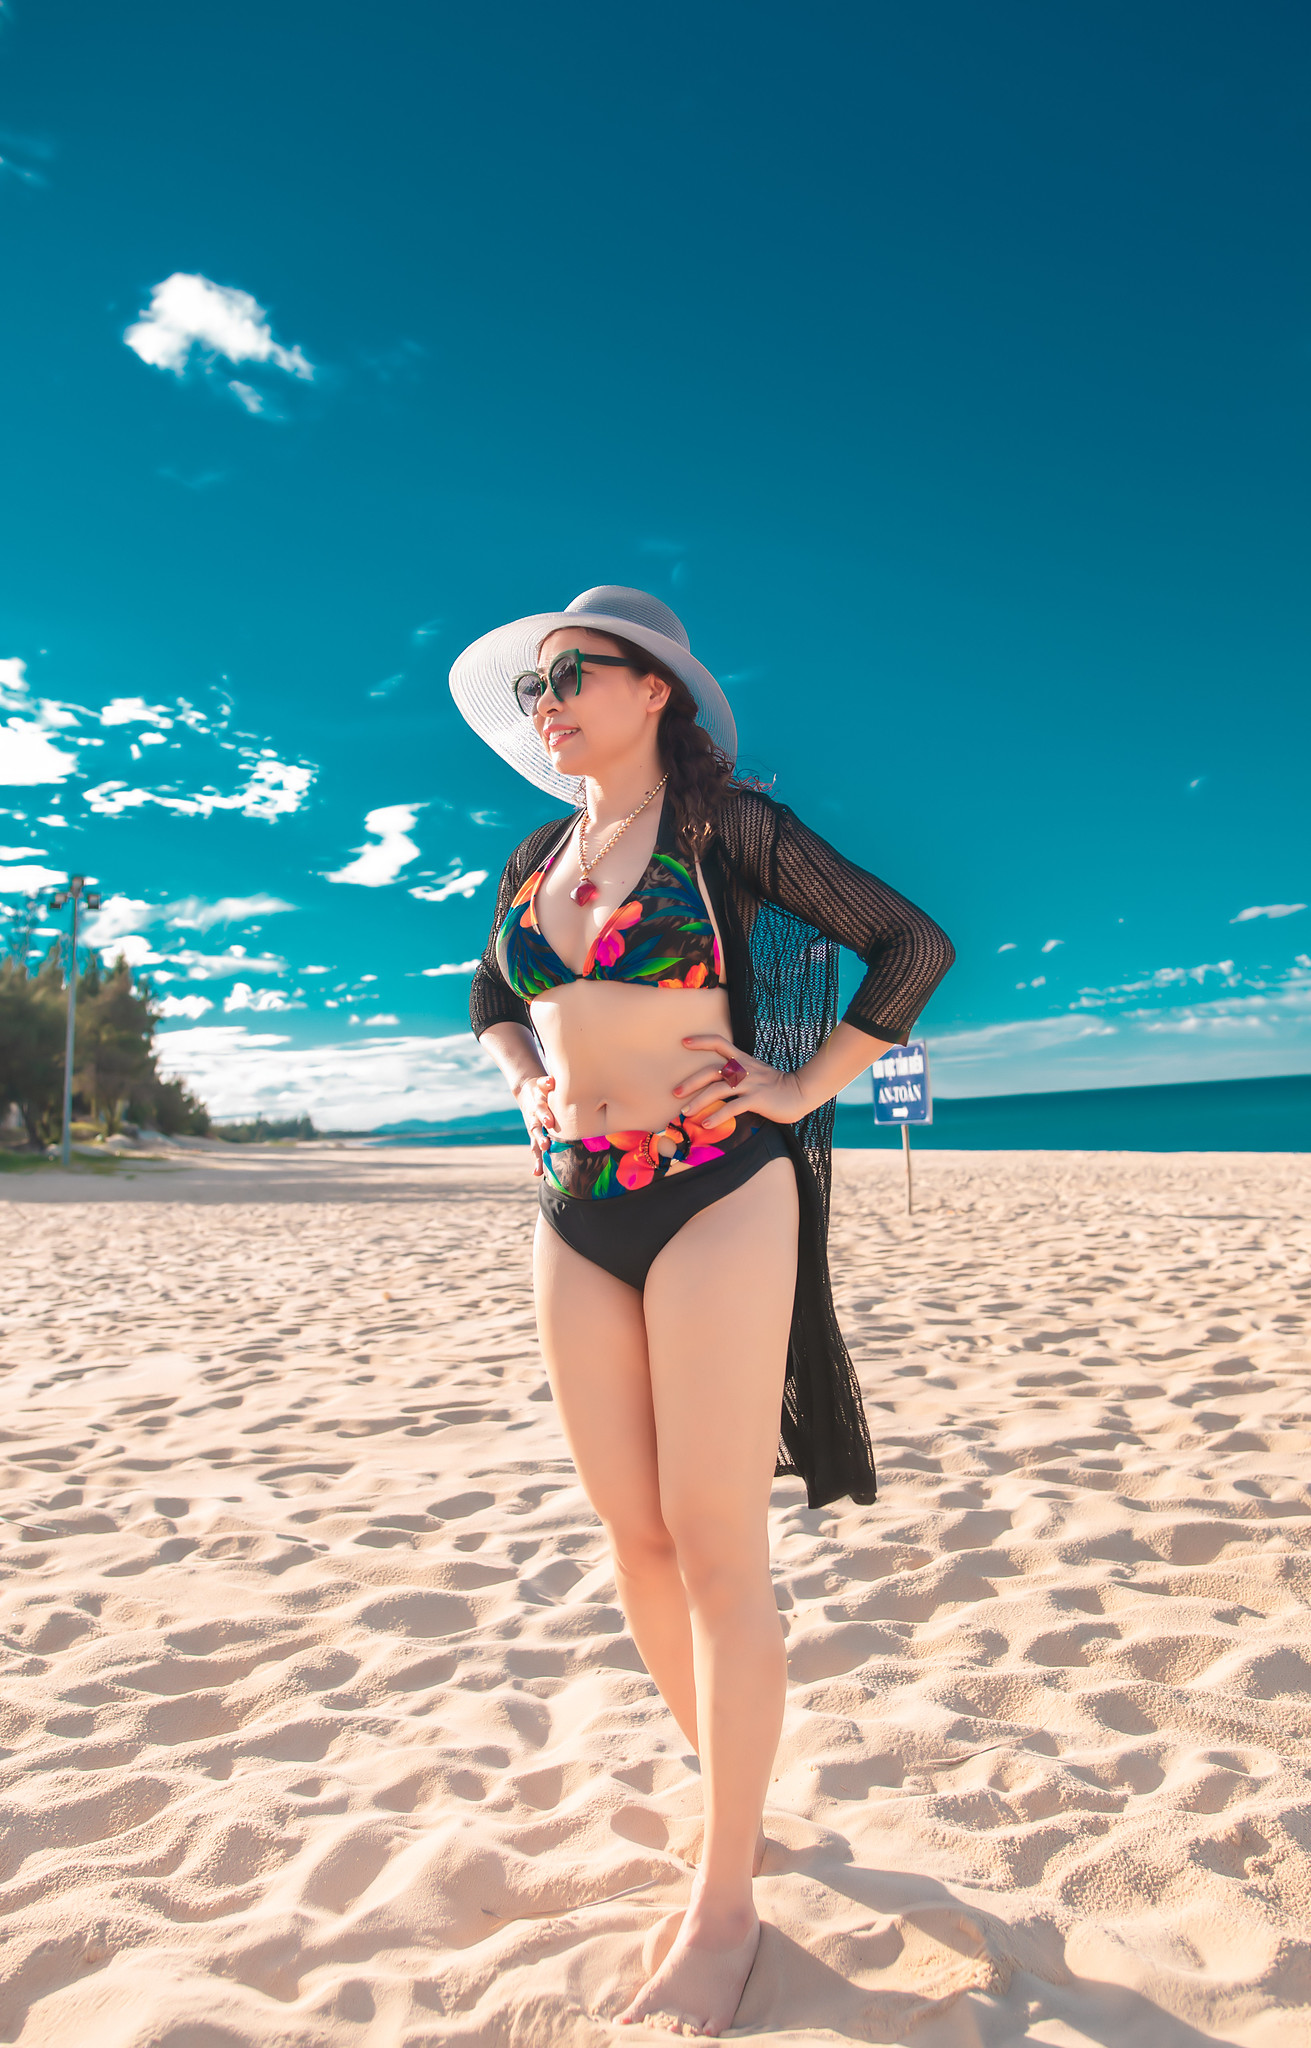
1188,1116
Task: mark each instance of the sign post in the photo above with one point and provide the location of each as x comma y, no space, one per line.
903,1095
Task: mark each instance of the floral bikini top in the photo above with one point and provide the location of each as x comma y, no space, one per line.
662,935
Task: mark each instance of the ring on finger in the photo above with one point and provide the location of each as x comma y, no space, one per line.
732,1072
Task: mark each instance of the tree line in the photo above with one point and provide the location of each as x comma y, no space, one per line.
258,1130
116,1078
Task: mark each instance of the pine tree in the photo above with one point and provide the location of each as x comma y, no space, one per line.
32,1042
113,1050
115,1070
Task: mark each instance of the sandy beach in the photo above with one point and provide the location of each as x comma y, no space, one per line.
320,1727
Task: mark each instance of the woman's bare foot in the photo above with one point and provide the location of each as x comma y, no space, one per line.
699,1985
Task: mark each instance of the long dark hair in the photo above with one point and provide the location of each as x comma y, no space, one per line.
700,773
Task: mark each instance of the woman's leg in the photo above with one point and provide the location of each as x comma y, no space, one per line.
593,1339
718,1307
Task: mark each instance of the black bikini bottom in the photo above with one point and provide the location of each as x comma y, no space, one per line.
624,1236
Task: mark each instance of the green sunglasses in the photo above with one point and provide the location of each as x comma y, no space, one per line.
565,677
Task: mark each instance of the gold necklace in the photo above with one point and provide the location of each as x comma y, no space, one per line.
586,889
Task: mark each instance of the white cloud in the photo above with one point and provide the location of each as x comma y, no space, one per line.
14,694
1266,1031
453,883
134,711
217,966
1050,945
273,789
1024,1035
270,787
48,711
182,1006
1265,1009
27,757
355,1084
1162,978
1267,910
137,951
1271,1036
20,852
27,878
1198,1020
1039,981
316,970
187,312
192,913
1009,947
243,997
190,714
378,865
382,1017
53,819
112,933
118,914
452,967
187,913
245,394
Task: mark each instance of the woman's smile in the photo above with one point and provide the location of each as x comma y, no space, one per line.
557,733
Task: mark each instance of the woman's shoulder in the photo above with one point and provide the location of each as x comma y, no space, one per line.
748,820
750,803
537,845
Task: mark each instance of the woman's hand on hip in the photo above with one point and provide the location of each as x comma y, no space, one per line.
761,1089
539,1118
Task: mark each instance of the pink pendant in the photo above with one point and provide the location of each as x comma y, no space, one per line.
585,891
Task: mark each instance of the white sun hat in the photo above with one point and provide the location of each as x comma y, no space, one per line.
482,679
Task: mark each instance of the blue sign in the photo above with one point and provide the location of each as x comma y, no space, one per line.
902,1094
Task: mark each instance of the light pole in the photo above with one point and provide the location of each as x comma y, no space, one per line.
75,893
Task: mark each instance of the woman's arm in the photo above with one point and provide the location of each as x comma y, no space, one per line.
499,1018
515,1051
491,999
906,954
846,1053
783,1098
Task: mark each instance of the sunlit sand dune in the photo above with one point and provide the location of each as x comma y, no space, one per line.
320,1727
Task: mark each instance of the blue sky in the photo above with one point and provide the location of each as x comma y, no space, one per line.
948,370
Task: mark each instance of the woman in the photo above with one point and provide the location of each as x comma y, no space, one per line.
660,991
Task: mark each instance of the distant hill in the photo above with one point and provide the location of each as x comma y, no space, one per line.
494,1127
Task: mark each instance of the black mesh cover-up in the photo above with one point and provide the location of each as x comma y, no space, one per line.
786,903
